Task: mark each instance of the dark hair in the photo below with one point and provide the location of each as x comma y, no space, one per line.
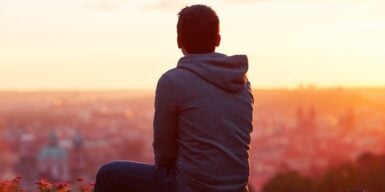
198,27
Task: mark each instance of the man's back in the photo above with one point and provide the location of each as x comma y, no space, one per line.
202,123
213,110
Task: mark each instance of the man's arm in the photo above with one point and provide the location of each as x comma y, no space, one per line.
165,123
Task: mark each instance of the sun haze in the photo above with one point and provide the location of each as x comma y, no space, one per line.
121,44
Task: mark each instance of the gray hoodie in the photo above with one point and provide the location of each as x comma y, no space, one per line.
203,121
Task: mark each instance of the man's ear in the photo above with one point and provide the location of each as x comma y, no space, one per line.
218,40
179,41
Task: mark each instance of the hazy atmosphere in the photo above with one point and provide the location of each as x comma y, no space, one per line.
125,44
78,78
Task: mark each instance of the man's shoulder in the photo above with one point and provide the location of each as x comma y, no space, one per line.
173,81
169,78
174,75
171,72
175,71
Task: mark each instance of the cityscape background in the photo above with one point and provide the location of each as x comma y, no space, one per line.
65,135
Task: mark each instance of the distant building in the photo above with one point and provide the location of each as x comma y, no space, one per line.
53,160
347,120
78,157
26,163
306,120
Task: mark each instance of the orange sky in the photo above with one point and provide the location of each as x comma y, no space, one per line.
122,44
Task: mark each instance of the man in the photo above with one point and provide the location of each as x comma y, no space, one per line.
202,123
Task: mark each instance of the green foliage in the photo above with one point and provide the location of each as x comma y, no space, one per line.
289,182
368,172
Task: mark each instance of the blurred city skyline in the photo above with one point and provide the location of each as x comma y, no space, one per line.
122,44
305,130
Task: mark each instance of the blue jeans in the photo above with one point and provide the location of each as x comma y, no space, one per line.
126,176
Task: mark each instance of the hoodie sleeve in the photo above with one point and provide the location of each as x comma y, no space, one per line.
165,123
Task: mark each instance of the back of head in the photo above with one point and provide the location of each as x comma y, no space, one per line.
198,29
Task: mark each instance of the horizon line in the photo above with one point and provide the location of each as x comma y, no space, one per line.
298,87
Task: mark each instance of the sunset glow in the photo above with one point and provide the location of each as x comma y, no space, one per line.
122,44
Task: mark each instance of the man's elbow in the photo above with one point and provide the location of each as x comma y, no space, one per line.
165,161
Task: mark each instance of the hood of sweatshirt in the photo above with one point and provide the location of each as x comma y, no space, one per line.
225,72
